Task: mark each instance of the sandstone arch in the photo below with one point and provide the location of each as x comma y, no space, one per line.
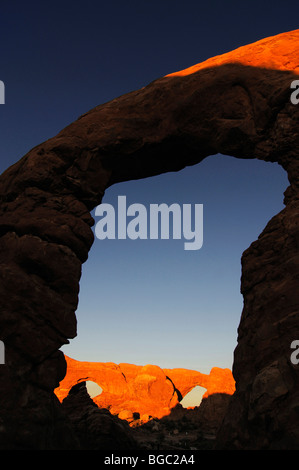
146,390
237,104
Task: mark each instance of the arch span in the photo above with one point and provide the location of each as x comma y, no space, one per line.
147,390
237,104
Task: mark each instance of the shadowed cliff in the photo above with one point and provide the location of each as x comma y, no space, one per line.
237,105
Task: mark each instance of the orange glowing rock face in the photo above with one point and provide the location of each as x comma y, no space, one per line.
276,53
147,390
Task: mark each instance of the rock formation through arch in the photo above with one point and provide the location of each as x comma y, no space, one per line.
236,104
146,390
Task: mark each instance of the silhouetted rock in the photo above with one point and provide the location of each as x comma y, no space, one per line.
95,428
185,428
237,104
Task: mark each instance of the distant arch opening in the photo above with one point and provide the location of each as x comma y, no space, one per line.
236,210
93,388
194,397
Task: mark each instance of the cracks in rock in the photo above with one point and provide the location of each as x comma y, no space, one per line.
175,390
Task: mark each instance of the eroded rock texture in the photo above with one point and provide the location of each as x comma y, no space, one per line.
95,428
237,104
147,390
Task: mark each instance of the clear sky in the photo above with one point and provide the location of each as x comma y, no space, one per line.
145,301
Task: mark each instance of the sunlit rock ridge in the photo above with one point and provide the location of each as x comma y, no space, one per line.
147,390
236,104
275,53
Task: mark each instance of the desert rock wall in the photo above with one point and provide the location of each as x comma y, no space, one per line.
238,105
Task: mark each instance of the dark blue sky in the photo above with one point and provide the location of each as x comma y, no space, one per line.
60,59
145,301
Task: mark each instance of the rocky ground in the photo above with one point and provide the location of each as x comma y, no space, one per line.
183,429
174,434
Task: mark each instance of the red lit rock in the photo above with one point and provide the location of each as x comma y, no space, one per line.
147,390
238,104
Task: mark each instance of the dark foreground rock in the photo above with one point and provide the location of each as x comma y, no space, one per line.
96,428
185,428
237,104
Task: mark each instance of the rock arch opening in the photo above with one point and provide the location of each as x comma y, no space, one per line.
93,389
191,299
236,104
194,397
